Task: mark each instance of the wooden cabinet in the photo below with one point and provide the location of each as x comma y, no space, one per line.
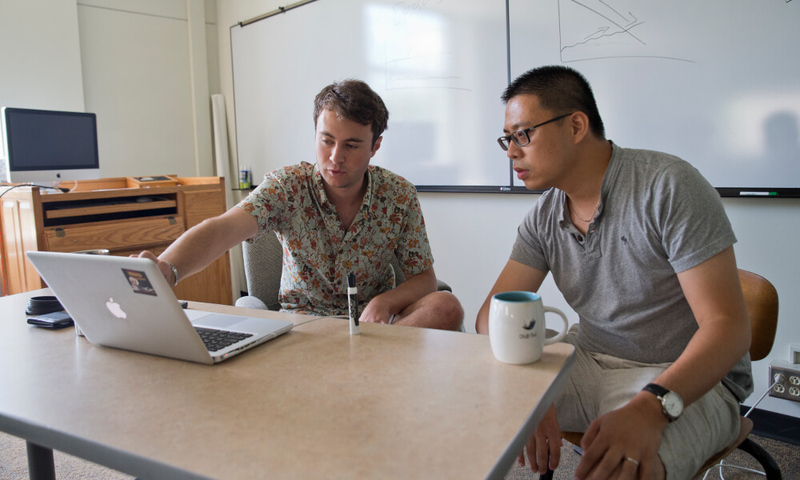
116,214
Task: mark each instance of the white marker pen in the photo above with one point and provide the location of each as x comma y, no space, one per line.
352,303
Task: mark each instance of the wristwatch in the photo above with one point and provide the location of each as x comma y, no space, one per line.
174,272
671,402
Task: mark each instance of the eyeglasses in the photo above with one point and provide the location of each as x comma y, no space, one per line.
521,137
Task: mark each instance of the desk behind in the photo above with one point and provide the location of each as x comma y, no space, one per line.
393,402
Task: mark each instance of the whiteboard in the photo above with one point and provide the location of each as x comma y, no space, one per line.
716,82
439,65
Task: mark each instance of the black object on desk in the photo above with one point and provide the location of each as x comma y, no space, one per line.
54,320
42,305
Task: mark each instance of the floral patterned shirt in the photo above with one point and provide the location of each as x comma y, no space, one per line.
317,251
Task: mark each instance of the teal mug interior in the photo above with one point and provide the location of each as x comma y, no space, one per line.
517,297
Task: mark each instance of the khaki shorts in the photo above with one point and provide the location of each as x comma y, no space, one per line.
601,383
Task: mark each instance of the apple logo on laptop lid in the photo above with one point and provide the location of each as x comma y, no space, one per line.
115,309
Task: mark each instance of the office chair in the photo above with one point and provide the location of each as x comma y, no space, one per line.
761,300
263,262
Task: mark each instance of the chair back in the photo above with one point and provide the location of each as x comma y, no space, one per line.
761,300
263,262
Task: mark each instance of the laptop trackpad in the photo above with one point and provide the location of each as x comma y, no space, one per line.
217,320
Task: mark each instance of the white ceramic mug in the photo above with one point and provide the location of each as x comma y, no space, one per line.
516,327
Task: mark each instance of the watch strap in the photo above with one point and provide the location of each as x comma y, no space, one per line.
655,389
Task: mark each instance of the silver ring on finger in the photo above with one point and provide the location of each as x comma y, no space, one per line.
634,461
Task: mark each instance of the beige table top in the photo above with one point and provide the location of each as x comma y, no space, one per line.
393,402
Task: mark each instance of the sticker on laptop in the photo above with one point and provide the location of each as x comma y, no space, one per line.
139,282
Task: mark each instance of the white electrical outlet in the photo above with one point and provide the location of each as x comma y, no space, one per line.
788,383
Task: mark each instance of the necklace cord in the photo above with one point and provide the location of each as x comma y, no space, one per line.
577,214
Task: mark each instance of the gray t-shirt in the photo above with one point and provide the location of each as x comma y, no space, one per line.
657,216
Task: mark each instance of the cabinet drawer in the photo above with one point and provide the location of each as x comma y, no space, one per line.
135,234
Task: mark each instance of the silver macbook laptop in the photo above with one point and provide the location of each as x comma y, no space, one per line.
126,303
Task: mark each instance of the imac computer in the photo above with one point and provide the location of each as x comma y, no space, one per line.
47,146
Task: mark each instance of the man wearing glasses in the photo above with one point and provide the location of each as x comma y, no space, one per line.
641,248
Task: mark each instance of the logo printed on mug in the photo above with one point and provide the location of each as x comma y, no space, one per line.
516,327
530,325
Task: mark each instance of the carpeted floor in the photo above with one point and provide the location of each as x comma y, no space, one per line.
14,466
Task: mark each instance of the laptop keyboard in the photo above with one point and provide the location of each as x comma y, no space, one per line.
216,340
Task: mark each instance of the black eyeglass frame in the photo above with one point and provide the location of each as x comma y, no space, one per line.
505,141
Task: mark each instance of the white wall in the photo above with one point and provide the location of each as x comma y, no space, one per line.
40,58
145,69
472,234
142,66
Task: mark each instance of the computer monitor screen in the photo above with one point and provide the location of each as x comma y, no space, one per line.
49,146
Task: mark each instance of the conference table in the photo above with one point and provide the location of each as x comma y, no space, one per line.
392,402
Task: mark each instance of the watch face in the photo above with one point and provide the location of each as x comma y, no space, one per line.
673,405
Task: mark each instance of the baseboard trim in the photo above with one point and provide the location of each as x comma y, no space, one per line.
776,426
